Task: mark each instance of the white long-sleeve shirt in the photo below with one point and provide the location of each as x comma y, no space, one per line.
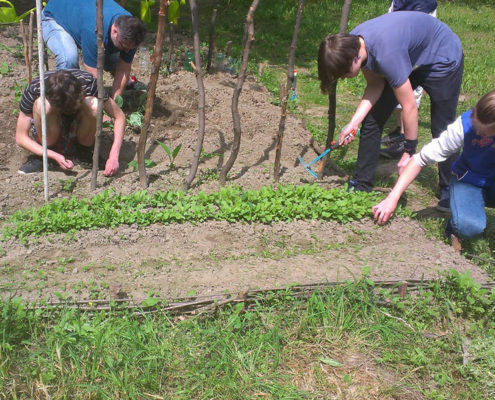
439,149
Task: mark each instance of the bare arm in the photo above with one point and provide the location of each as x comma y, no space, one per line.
373,91
114,111
23,140
122,74
386,208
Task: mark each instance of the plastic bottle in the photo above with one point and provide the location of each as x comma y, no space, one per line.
293,94
144,61
219,62
189,56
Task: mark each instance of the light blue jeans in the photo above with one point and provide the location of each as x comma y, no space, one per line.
60,43
467,203
64,48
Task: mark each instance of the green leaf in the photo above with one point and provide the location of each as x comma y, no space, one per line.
330,361
119,100
136,119
176,151
173,12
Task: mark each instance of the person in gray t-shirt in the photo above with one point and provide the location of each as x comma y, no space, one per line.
396,52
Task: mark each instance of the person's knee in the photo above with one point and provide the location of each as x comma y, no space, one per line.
67,60
469,228
89,107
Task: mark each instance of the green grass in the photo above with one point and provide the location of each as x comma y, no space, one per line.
340,340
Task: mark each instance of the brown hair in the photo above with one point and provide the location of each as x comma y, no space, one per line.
64,91
335,57
130,29
484,110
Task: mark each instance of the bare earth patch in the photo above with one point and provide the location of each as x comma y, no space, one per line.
175,260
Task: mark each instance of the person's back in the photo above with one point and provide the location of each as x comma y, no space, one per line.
426,6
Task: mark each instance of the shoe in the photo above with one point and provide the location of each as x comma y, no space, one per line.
443,204
134,84
33,165
84,157
392,137
395,149
354,186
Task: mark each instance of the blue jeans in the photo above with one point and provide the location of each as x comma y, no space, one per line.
60,43
64,48
467,203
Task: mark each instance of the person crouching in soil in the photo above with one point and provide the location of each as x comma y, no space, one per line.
71,103
472,185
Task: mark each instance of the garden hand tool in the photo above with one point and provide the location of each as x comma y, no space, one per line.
333,145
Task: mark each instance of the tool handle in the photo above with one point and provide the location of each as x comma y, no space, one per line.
353,133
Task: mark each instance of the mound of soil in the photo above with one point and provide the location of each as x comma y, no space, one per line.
175,260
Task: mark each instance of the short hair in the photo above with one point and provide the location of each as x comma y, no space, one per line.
335,57
64,91
130,29
484,110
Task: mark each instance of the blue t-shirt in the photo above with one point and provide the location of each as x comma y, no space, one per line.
426,6
398,43
78,18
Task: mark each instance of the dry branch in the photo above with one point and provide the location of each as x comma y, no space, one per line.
150,98
236,118
201,94
332,97
290,80
26,51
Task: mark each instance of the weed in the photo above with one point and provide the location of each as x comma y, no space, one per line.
67,185
147,163
172,154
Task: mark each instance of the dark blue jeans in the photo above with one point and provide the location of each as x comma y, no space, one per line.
444,95
467,203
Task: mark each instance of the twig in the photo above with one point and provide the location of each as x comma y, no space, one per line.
26,50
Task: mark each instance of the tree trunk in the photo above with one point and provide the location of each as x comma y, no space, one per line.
211,44
201,94
150,98
332,97
99,77
290,79
236,118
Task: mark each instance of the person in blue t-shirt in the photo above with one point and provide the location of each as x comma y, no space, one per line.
70,24
426,6
396,52
472,184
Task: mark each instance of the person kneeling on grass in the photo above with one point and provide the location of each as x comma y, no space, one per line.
472,185
70,106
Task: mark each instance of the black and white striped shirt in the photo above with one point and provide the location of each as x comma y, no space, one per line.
32,92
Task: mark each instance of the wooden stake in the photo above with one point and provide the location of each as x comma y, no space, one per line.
211,44
26,51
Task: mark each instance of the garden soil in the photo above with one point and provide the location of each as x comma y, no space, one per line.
201,259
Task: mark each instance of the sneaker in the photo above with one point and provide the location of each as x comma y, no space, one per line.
443,204
354,186
33,165
392,137
395,149
135,84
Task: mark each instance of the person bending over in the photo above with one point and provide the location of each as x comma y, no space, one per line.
70,106
472,182
396,52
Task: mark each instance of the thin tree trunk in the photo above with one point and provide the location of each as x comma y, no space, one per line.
201,94
26,51
101,89
150,98
211,45
332,97
290,79
249,38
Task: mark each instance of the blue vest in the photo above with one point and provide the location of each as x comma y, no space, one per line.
476,164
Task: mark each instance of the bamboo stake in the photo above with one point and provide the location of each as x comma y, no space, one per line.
236,118
332,97
150,98
290,80
211,44
101,89
201,99
41,57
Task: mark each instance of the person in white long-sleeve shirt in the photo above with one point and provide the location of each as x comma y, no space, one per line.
472,186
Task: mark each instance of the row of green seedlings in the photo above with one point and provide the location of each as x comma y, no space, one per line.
233,204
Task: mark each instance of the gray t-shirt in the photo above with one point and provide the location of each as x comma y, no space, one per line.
400,42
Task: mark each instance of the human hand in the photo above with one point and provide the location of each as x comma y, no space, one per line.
404,160
383,210
347,134
64,163
111,167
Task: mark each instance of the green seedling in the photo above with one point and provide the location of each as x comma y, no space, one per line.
68,185
4,68
147,163
172,154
